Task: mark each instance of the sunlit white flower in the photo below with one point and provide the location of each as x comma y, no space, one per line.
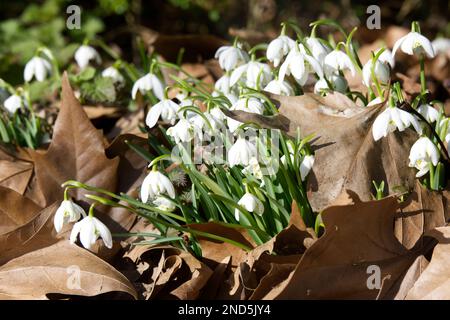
114,74
164,204
155,184
251,105
253,74
208,122
278,48
337,61
13,103
318,50
414,44
184,131
391,119
149,82
223,84
241,152
165,109
441,45
253,168
337,82
386,57
277,86
428,112
423,153
231,57
90,229
250,203
85,54
381,72
218,114
67,212
37,67
375,101
299,64
306,166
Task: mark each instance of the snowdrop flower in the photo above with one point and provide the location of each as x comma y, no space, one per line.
381,72
241,152
423,153
67,212
250,73
155,184
338,82
393,118
37,67
251,105
306,166
386,57
337,61
184,131
278,48
218,114
428,112
230,57
149,82
13,103
212,126
166,109
253,169
223,84
277,86
299,64
90,229
318,50
84,54
375,101
250,203
164,204
114,74
414,44
441,45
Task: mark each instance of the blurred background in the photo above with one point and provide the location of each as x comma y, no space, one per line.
26,25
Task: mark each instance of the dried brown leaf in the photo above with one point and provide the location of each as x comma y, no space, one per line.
61,268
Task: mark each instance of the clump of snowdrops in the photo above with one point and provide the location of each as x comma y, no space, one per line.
212,168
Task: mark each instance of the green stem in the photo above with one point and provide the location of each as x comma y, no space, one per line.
423,85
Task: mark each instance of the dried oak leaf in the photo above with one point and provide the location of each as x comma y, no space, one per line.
60,269
434,282
357,236
347,157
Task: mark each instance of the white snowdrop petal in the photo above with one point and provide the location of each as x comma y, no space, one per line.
104,232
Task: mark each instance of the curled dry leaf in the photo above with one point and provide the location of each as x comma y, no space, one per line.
172,272
63,269
347,157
